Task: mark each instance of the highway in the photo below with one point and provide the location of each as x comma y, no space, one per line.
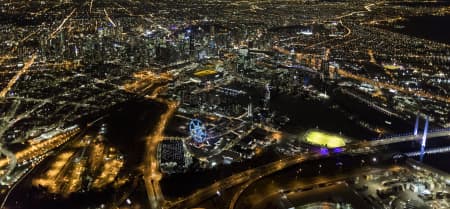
9,56
109,18
53,34
17,183
33,152
292,192
16,77
265,170
152,176
262,171
150,85
61,102
31,61
12,161
11,120
38,150
245,176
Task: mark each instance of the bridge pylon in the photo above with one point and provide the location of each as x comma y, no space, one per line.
416,127
424,139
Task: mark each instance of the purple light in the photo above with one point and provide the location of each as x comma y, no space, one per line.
338,150
323,151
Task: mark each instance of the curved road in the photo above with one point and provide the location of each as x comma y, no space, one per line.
265,170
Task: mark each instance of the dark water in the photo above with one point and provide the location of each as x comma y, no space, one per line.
306,114
434,28
440,161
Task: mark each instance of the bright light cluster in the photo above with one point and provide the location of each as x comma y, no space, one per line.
324,139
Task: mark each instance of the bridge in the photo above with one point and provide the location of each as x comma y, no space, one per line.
369,103
435,133
254,174
247,177
429,151
300,67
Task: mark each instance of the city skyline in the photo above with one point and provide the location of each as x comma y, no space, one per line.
224,104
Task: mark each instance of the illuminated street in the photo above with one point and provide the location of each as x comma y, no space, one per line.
224,104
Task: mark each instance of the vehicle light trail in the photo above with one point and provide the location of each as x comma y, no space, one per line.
108,18
90,6
52,35
152,175
17,76
9,56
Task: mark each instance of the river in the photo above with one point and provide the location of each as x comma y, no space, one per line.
433,28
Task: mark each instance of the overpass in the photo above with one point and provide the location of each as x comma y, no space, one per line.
239,178
254,174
